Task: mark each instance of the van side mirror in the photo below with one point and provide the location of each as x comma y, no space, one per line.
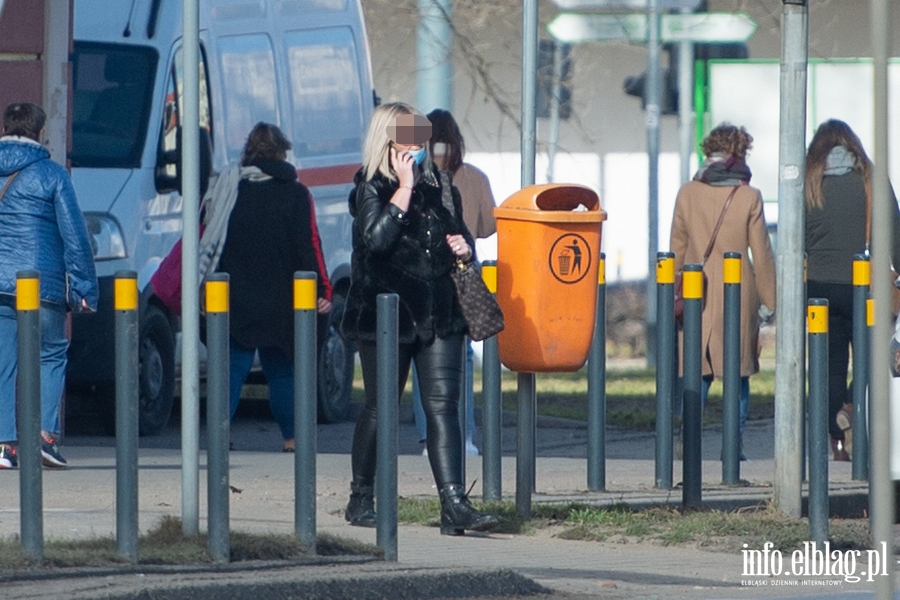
169,183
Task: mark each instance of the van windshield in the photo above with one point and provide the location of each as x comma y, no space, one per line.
112,88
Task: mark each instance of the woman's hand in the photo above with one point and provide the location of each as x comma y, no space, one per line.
403,166
459,247
323,306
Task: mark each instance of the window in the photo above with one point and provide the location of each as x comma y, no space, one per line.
325,91
174,107
248,81
111,97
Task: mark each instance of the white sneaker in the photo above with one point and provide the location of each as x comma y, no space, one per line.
471,449
424,450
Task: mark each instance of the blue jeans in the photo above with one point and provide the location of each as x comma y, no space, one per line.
419,412
279,371
53,368
745,397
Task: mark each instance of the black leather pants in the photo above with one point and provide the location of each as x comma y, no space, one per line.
440,368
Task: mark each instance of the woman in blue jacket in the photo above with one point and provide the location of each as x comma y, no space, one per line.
41,229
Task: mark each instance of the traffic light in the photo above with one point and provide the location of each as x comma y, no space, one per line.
668,101
545,80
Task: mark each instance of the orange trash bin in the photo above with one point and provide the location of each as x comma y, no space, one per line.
548,253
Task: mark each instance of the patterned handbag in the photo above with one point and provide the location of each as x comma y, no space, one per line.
478,305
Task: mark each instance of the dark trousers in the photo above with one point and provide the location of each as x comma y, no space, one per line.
840,335
439,366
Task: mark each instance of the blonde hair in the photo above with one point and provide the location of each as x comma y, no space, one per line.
377,147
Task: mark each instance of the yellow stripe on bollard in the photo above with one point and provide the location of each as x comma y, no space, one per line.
732,270
861,272
489,275
216,296
28,293
304,294
601,275
665,270
817,319
692,281
870,312
126,293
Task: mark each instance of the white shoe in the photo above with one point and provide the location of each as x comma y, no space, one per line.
425,451
471,449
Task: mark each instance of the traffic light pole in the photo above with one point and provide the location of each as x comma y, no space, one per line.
652,114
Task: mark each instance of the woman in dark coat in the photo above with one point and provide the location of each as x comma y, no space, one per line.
838,209
271,234
405,241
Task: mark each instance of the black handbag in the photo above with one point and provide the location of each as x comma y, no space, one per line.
478,305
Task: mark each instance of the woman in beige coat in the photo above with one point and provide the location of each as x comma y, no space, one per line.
697,210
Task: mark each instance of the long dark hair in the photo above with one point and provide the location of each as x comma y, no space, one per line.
831,133
265,141
445,130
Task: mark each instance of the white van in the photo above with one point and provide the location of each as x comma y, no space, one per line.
301,64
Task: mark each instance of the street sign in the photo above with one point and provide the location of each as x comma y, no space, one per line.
707,27
632,5
575,28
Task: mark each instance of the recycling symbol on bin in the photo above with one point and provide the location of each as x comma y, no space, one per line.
570,258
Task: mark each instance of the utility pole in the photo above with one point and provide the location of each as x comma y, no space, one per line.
652,114
434,42
789,384
881,499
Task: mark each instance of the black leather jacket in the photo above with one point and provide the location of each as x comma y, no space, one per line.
406,254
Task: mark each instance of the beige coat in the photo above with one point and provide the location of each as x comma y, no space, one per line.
697,210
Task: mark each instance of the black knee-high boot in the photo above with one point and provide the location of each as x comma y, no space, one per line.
457,514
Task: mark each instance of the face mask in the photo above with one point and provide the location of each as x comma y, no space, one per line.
417,155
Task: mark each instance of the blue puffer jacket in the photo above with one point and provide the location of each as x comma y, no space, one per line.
42,228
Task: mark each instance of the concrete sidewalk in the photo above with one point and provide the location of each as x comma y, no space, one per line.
79,502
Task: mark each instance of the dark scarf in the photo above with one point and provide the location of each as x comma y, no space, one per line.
723,170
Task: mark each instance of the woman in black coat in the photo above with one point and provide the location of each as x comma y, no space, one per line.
838,226
405,241
271,234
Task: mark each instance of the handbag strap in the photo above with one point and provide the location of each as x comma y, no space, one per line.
715,233
6,185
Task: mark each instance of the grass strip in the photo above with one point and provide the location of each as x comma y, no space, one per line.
166,544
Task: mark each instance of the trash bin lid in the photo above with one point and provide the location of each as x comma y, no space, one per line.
553,203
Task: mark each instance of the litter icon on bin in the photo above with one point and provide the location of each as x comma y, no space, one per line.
570,258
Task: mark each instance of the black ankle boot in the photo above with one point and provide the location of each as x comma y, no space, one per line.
457,514
361,508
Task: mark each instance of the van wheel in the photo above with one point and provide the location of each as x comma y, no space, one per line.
156,379
335,369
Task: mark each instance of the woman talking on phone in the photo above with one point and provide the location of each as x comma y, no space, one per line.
406,242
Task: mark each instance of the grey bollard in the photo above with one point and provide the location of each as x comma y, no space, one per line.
127,415
860,453
731,371
817,333
596,425
388,394
692,421
218,415
665,365
526,396
28,381
305,409
492,415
